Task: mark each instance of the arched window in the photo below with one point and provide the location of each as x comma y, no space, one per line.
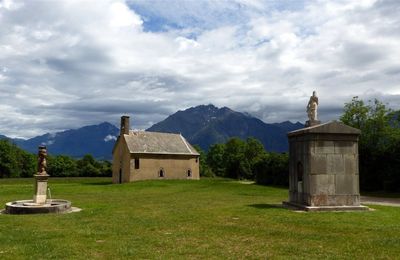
161,173
137,163
299,171
189,173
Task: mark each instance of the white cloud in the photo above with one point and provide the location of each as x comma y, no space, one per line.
110,138
65,64
10,4
122,16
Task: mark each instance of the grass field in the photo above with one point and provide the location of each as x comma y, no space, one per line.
207,219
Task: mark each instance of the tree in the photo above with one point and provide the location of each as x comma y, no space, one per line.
87,166
236,164
355,113
15,162
106,168
28,163
8,161
379,143
254,153
62,166
272,169
205,170
245,159
214,159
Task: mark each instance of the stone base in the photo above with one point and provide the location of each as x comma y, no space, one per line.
40,199
323,208
30,207
40,195
312,123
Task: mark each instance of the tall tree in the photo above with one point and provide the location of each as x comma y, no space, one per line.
215,159
15,162
237,165
379,143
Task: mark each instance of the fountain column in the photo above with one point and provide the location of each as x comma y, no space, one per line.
39,204
40,195
41,178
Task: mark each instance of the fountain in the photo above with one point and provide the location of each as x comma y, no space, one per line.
40,204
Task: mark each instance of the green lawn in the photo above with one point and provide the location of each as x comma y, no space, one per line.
211,218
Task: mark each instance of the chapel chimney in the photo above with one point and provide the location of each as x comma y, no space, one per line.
124,130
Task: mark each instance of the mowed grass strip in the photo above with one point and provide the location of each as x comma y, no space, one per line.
206,219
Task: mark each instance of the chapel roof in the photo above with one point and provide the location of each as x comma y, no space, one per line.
158,143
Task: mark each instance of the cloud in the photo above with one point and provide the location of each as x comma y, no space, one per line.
110,138
65,64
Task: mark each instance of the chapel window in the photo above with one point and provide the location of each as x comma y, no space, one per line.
161,173
137,163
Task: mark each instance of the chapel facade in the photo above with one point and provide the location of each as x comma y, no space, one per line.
142,155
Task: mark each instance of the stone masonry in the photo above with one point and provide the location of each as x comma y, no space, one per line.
323,167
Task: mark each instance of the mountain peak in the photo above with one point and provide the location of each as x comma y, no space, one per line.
205,125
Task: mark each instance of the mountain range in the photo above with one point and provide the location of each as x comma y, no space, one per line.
203,125
97,140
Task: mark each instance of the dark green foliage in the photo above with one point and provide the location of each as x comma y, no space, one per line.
215,159
248,159
89,167
254,153
62,166
379,145
205,170
28,163
272,169
15,162
236,164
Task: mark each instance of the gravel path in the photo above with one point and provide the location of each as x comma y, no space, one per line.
395,202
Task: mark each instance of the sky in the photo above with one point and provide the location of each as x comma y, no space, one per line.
67,64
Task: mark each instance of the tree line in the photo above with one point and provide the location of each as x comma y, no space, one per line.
16,163
379,154
245,159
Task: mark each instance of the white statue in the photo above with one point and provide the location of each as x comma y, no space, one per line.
312,107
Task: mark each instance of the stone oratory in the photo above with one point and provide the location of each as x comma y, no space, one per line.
323,165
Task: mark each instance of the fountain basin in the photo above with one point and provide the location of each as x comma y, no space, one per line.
30,207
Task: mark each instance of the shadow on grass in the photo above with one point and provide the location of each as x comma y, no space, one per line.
266,206
272,186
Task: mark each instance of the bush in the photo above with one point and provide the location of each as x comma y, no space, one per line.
273,169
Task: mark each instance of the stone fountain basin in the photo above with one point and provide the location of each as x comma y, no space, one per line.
29,207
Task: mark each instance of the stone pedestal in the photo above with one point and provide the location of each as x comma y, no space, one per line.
40,195
323,168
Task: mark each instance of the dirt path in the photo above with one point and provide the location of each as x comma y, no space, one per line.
395,202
